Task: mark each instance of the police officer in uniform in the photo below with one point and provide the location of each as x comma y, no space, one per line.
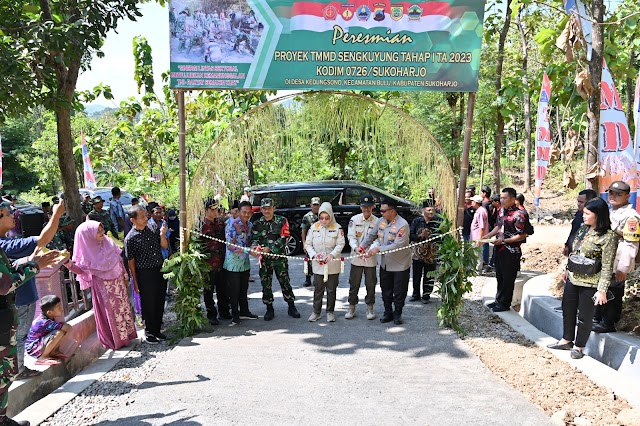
307,222
361,226
625,222
391,232
269,233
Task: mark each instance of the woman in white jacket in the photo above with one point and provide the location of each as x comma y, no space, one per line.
324,243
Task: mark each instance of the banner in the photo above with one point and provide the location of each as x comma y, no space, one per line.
543,136
89,177
616,159
576,8
636,121
326,45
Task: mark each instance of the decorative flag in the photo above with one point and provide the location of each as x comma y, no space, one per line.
616,159
543,136
576,8
636,120
89,177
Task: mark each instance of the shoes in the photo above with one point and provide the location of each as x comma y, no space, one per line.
235,321
492,304
151,339
224,316
596,320
160,336
576,354
562,347
269,315
307,283
500,308
248,315
386,317
414,298
293,312
603,328
10,422
351,313
370,313
214,321
331,317
397,318
426,300
314,317
28,373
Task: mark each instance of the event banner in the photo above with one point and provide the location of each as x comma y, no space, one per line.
326,45
616,158
636,120
543,136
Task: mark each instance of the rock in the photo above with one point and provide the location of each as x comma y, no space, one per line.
582,421
629,417
558,417
548,218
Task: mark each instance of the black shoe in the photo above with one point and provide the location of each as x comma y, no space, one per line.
562,347
426,299
576,354
386,317
293,312
603,328
224,316
307,283
151,339
248,315
214,321
269,315
397,318
492,304
235,321
596,320
414,298
500,308
160,336
10,422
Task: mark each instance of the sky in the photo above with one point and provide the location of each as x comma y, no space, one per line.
116,68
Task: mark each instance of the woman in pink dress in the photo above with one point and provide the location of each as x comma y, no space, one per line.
97,263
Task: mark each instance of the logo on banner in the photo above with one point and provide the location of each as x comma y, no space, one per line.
414,13
364,13
330,13
544,97
397,12
347,11
378,12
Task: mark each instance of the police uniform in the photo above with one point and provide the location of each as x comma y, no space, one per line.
625,222
271,234
394,267
308,220
359,229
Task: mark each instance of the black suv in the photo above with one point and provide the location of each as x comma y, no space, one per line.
293,201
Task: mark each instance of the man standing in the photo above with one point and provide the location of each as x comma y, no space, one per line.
391,232
307,222
424,255
469,211
116,211
247,195
625,221
268,237
480,227
86,204
584,197
360,227
214,226
102,216
143,248
510,231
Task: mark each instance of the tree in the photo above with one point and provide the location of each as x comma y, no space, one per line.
595,73
43,46
527,97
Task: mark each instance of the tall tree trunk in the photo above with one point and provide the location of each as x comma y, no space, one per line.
497,154
595,73
527,102
67,165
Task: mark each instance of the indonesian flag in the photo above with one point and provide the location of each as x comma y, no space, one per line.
396,17
89,177
543,136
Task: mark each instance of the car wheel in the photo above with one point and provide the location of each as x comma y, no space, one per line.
292,244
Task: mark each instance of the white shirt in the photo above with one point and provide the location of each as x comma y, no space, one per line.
359,229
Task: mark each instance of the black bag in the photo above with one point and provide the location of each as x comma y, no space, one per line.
581,265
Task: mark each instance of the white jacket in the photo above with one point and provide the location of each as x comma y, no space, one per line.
328,240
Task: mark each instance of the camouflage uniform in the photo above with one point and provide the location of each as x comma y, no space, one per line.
104,218
11,277
271,234
307,222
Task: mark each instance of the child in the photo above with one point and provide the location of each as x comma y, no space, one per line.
46,333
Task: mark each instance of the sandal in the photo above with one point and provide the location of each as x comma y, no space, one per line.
48,361
28,373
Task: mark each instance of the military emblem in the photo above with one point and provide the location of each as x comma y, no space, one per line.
397,12
414,13
330,13
378,12
364,13
347,11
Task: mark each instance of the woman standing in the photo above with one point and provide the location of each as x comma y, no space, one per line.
586,283
324,242
98,265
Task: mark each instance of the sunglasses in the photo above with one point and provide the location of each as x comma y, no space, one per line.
384,210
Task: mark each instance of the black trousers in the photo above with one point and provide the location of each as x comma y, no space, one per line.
420,270
507,267
394,285
153,290
609,313
217,283
238,286
577,301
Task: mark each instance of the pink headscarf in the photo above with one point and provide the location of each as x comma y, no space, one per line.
97,258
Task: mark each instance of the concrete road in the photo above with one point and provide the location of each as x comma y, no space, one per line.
289,372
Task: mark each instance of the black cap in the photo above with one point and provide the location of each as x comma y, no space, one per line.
171,214
429,202
619,186
366,200
236,204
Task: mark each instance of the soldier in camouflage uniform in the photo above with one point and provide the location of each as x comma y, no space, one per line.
102,216
63,239
307,222
269,233
12,275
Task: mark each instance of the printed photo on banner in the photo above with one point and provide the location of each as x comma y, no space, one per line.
213,31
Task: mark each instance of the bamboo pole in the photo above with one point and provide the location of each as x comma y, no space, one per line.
182,118
464,169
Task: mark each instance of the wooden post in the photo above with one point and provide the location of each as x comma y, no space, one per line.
182,133
464,168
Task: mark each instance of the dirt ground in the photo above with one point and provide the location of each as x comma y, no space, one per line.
543,250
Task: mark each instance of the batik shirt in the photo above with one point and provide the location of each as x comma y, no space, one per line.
421,230
510,222
215,249
236,232
589,243
40,328
271,233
